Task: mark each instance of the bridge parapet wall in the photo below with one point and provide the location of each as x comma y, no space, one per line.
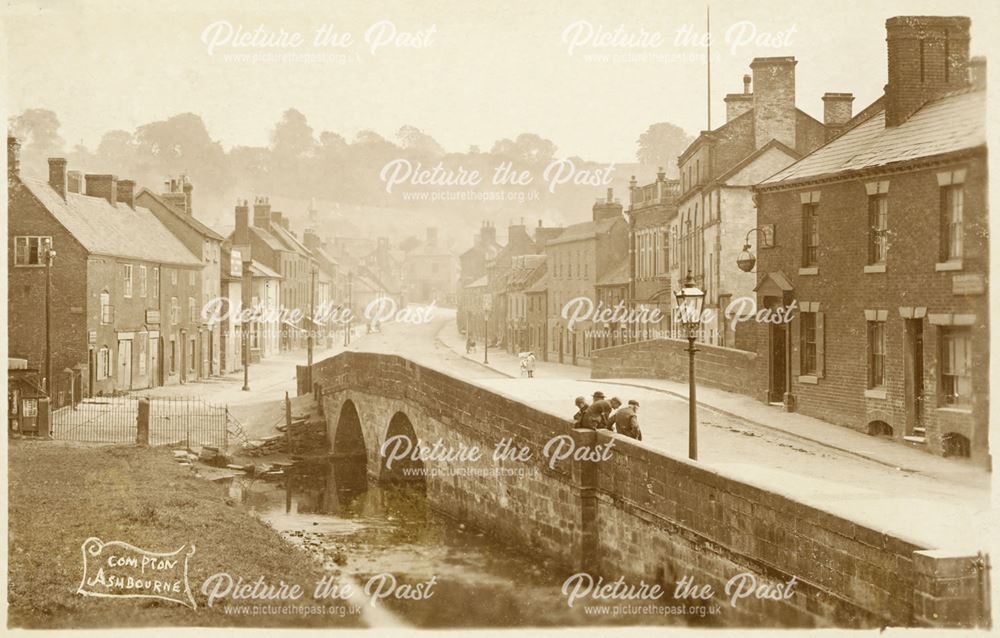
643,514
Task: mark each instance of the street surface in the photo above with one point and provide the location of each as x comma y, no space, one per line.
939,503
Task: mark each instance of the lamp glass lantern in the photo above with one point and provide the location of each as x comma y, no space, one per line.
746,260
689,303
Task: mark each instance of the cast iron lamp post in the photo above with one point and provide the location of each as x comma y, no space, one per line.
247,290
689,302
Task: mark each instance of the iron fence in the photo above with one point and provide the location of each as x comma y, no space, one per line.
188,421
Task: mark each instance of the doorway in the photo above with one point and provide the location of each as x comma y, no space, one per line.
778,351
124,364
913,355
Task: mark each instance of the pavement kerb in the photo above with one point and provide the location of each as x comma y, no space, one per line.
708,406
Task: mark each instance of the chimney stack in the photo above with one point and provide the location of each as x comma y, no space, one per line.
928,57
837,110
310,239
608,208
773,100
57,175
126,192
977,73
241,236
13,156
488,233
74,182
739,103
188,187
262,213
105,186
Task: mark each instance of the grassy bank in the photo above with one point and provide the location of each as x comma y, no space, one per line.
62,495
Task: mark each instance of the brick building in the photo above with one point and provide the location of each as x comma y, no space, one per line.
124,291
764,132
472,266
173,207
652,208
430,272
577,259
525,271
272,244
881,241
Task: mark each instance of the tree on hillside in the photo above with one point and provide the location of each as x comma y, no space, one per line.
38,132
527,148
292,137
661,144
413,139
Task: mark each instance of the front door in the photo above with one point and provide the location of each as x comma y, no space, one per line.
124,364
778,346
914,378
154,361
91,372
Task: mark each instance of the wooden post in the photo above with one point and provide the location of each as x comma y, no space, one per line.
288,424
142,423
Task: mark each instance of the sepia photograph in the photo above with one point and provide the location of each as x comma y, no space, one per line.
576,317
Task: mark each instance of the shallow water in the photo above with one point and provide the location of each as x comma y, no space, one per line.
359,531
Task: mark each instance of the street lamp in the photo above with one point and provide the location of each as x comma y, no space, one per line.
746,259
312,321
247,285
689,301
50,257
487,305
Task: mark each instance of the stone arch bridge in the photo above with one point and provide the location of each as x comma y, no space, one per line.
630,511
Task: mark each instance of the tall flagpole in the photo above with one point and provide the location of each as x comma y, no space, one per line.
708,31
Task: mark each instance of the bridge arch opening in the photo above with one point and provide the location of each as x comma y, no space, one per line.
347,475
398,465
349,440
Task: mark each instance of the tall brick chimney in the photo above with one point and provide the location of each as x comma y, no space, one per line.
928,57
310,239
739,103
262,213
105,186
837,111
188,188
13,156
241,235
773,100
488,233
74,182
57,175
607,208
977,73
126,192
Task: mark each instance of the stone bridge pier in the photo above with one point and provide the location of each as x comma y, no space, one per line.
622,509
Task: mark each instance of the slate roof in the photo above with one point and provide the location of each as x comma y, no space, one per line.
190,220
115,231
479,283
584,230
521,275
952,123
616,276
272,242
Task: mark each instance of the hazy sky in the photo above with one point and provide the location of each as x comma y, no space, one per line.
482,73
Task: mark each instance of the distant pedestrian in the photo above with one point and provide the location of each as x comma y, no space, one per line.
627,420
597,415
529,365
581,411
